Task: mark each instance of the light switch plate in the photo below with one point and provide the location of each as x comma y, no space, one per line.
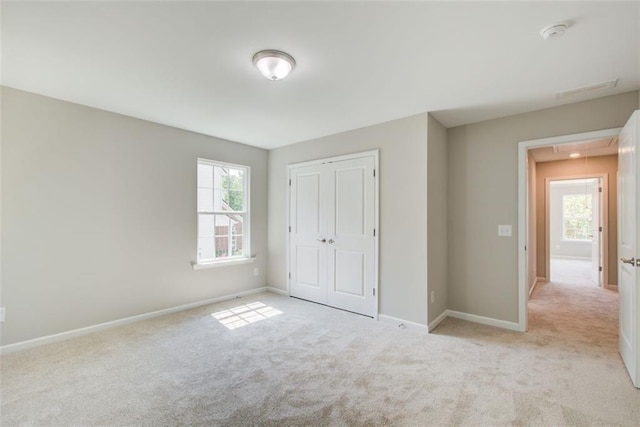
504,230
1,314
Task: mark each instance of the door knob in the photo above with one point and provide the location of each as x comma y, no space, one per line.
631,261
331,241
322,240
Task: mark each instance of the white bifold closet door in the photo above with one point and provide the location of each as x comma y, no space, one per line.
332,245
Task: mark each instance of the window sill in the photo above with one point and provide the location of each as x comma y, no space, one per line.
226,263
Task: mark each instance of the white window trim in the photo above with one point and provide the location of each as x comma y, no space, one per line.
221,263
246,258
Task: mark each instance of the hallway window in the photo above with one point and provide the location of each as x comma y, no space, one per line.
577,217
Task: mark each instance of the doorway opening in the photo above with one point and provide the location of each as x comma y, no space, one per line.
570,156
569,240
577,229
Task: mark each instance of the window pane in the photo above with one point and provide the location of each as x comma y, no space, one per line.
205,225
236,224
235,184
220,177
222,225
577,216
205,200
220,194
236,202
237,174
205,248
236,179
222,246
219,200
222,235
236,248
205,176
236,235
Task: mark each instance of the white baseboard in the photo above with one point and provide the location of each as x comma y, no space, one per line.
532,287
512,326
23,345
437,320
535,283
399,322
278,291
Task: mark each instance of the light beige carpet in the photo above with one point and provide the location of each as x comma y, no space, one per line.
571,271
278,361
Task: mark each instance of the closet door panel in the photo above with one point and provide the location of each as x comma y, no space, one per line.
332,244
351,244
308,254
350,272
350,202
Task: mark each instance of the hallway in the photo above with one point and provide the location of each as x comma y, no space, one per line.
571,271
578,313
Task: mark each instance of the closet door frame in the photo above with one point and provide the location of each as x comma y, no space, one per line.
372,153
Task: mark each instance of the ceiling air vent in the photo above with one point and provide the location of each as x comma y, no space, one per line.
587,89
586,146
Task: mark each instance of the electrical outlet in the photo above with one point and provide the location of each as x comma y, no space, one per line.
1,314
433,296
256,271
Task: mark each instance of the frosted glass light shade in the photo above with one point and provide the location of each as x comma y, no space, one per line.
274,64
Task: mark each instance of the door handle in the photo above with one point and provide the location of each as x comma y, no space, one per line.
331,241
631,261
322,240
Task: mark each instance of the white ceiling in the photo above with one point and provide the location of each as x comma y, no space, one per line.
188,64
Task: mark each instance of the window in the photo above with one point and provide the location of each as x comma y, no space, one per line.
223,211
577,217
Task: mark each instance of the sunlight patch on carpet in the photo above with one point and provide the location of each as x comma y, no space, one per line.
244,315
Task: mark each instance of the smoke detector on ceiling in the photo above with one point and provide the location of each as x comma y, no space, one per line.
555,30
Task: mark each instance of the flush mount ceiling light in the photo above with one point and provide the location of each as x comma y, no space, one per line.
574,155
274,64
555,30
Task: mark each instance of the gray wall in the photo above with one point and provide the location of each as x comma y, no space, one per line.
99,217
483,177
437,218
596,165
403,208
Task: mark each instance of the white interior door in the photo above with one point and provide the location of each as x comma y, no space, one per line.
628,212
596,234
308,255
332,246
351,241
